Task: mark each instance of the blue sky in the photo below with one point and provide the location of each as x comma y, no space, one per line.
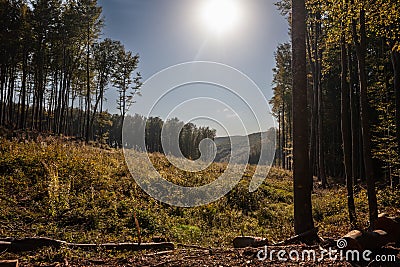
169,32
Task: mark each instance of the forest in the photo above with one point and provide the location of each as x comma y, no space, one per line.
353,57
68,193
55,69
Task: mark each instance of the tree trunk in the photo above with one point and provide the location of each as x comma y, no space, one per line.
283,133
346,134
355,159
361,49
2,92
23,92
396,69
279,156
87,132
321,158
314,111
303,220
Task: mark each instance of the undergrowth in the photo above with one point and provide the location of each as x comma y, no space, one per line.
78,193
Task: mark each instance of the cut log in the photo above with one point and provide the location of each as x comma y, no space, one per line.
32,244
249,241
361,240
8,263
297,238
351,239
389,225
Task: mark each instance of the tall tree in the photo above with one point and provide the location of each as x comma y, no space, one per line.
122,78
282,100
91,18
303,220
360,42
105,59
346,131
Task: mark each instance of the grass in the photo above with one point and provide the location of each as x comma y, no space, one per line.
78,193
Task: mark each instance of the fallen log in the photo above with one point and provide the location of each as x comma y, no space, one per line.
387,231
362,240
249,241
311,234
32,244
125,246
8,263
390,225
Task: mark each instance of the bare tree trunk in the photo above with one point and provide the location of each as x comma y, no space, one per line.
355,159
346,134
279,156
303,220
361,49
314,111
23,92
2,92
88,104
289,138
283,133
318,102
396,69
321,158
10,95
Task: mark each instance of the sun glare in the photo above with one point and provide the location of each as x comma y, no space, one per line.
220,16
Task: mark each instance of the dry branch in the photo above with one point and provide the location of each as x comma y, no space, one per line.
32,244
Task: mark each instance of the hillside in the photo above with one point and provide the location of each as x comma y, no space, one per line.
78,193
255,140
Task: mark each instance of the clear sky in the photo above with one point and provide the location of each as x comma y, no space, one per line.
240,33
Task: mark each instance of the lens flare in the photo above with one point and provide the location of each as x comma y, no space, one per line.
220,16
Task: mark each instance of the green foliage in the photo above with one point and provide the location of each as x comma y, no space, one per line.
389,198
80,193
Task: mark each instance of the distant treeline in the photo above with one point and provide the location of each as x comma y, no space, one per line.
172,137
54,69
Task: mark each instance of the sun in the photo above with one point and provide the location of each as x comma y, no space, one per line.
220,16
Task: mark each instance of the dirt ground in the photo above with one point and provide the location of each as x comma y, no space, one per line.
216,257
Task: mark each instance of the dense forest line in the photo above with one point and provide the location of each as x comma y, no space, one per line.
352,62
339,65
55,68
160,136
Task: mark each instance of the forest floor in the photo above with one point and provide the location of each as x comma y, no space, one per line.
85,194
